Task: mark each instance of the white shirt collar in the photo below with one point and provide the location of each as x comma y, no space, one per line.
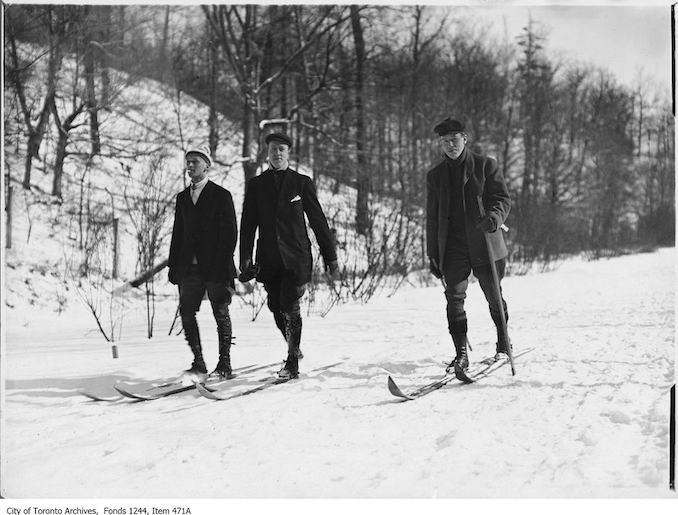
200,185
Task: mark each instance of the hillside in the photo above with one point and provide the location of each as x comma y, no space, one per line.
141,157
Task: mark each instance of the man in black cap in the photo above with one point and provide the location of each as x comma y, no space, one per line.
454,231
275,203
201,257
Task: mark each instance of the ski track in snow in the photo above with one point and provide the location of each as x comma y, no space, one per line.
586,414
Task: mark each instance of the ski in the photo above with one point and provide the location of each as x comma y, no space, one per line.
486,367
101,398
114,397
177,386
224,394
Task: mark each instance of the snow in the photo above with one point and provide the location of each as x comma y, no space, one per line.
587,414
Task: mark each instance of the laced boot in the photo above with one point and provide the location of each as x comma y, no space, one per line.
502,350
224,369
193,339
198,366
280,324
503,341
290,369
458,331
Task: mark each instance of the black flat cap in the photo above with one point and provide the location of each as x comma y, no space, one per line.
449,126
279,136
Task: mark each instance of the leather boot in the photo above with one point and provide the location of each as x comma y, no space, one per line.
458,330
192,335
503,341
280,323
223,368
293,329
224,332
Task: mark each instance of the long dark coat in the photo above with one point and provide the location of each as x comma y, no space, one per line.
207,230
481,178
279,216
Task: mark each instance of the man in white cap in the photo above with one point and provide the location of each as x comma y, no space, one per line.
201,257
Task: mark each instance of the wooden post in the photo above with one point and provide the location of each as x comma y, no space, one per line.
115,247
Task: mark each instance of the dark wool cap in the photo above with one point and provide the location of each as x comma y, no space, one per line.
279,136
449,126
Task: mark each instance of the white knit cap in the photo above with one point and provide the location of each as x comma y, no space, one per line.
203,151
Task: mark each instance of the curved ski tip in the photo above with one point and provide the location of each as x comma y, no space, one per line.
395,390
98,398
137,396
208,394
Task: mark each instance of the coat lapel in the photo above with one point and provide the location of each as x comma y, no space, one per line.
203,199
445,189
468,167
469,170
284,192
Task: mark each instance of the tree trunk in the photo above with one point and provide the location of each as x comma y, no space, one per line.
362,183
90,95
162,52
105,35
213,119
249,163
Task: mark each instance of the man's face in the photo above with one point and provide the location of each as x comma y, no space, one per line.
278,154
196,168
453,144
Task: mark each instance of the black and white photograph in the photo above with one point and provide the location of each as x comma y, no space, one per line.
311,251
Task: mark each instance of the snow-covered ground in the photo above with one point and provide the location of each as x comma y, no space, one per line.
587,414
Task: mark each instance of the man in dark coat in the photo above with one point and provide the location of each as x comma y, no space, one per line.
454,230
201,257
275,203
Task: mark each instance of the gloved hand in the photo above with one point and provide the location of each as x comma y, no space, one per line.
433,267
248,272
171,277
487,224
332,269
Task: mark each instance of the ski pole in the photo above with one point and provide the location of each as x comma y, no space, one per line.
497,289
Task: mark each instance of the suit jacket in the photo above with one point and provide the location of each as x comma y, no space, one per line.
279,216
482,178
207,230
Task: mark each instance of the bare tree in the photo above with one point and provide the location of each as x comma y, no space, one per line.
17,73
149,213
362,220
241,32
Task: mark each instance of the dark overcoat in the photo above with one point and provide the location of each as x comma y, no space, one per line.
482,178
207,230
279,216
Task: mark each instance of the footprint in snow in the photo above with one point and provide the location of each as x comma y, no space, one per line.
617,417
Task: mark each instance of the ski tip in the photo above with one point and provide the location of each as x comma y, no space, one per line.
395,390
208,394
99,398
136,396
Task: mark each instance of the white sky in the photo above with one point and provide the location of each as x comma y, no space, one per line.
623,37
